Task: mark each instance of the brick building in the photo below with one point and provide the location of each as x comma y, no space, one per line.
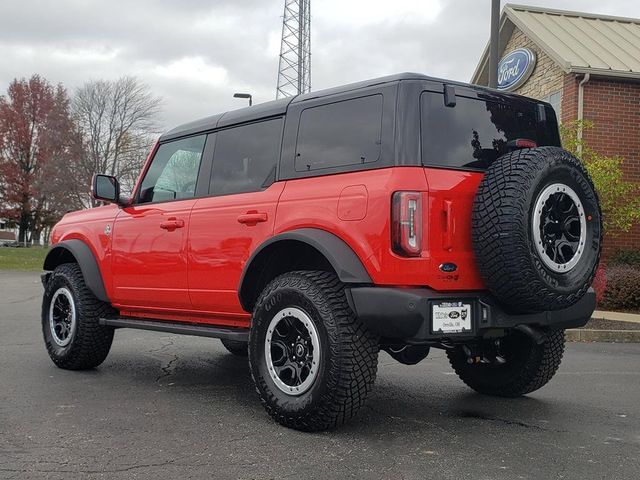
588,67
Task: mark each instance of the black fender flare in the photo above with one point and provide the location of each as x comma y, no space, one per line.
83,255
338,253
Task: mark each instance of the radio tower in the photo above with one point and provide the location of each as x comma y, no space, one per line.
294,67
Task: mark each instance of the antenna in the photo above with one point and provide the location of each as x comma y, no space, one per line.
294,66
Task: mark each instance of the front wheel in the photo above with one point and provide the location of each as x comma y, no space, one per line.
74,338
312,362
525,365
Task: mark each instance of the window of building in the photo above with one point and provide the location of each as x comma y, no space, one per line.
554,99
476,131
339,134
174,171
245,157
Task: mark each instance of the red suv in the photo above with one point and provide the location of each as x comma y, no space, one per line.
402,213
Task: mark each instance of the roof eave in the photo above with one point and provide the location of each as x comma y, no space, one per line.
572,13
604,72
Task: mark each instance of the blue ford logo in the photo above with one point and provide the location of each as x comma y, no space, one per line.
515,68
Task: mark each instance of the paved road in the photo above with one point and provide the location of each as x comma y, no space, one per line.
181,407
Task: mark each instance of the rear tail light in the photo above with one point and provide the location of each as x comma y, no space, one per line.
406,223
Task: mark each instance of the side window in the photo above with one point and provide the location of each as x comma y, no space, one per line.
174,171
339,134
245,157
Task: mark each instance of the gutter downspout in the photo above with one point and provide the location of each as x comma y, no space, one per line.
494,40
581,85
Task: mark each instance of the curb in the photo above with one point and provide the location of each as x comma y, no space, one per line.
613,336
617,316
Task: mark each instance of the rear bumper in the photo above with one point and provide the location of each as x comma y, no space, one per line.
405,313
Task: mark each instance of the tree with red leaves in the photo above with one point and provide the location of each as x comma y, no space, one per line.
39,145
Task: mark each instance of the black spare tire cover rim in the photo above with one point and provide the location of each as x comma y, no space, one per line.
559,227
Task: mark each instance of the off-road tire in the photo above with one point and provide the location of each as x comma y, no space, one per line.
236,347
532,368
91,342
503,238
349,352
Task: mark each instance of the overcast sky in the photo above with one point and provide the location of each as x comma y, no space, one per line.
196,53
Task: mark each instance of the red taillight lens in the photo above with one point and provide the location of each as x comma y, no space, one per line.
522,143
406,223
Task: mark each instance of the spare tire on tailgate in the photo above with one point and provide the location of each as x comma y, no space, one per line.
537,229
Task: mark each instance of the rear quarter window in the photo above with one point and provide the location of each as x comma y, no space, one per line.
339,134
475,132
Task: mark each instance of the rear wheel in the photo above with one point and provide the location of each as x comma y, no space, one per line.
312,362
523,367
70,321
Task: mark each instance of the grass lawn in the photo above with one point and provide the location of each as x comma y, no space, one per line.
30,259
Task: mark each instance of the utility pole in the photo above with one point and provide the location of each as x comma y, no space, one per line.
294,66
493,43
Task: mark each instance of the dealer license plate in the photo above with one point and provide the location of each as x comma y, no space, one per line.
451,317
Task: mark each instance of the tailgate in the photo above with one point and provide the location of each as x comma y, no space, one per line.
451,194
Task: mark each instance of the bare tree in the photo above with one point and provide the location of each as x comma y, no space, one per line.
118,122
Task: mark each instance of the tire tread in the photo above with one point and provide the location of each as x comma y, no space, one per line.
355,354
538,370
92,341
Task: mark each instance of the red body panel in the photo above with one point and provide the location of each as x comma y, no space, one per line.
89,226
191,273
224,232
149,262
448,229
370,237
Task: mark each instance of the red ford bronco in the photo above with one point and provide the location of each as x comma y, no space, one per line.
402,213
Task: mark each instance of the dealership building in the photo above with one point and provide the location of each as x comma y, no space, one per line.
588,67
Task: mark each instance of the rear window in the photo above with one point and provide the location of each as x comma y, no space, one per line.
339,134
475,132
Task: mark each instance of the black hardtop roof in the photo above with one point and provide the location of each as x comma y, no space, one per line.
279,107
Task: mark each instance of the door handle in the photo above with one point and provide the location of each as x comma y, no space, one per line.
251,218
171,224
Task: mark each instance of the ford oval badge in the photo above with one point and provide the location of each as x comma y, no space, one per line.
515,68
448,267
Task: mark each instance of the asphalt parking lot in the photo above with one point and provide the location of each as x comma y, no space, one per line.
166,406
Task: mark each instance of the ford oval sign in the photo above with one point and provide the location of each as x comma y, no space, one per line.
515,68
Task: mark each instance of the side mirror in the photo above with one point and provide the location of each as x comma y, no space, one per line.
105,188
